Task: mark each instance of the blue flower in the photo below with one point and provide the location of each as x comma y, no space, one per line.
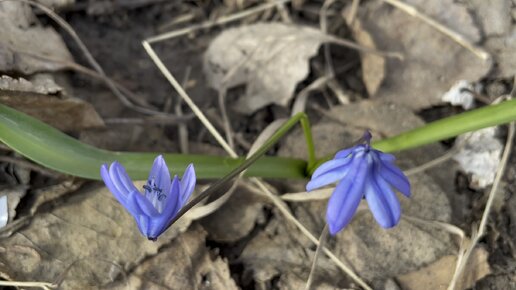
361,171
161,199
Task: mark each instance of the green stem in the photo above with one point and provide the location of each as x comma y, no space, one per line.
301,117
445,128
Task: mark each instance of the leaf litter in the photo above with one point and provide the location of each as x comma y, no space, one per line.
56,244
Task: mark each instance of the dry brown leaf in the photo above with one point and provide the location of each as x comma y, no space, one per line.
269,58
373,65
84,240
39,83
235,219
433,62
502,48
67,114
439,274
184,264
23,42
494,15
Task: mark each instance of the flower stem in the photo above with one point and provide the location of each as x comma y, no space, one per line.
445,128
322,239
301,117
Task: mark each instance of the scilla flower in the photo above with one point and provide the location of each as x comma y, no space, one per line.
361,171
161,199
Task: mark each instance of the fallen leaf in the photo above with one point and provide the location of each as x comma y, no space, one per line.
81,241
24,43
432,61
235,219
66,114
460,94
439,274
479,155
373,65
186,263
494,15
39,83
502,48
269,58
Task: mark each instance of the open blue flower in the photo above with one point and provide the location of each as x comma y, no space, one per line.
161,199
361,171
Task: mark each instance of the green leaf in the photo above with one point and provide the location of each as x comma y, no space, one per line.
55,150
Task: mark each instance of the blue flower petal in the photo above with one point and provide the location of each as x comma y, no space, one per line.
187,184
172,207
161,176
394,176
346,197
382,201
328,173
327,178
117,189
385,157
144,205
344,153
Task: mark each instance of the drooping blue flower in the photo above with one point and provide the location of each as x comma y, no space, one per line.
362,172
161,199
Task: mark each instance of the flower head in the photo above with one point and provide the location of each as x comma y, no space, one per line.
161,199
361,171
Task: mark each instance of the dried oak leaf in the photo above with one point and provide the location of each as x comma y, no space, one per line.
25,46
433,62
236,218
439,274
87,242
269,58
186,263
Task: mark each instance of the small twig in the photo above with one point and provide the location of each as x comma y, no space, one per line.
218,21
323,22
461,40
352,12
322,239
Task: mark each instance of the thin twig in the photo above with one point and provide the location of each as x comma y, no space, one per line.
461,40
215,22
89,57
322,239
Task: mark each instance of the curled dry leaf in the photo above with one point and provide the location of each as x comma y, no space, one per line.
26,46
81,241
39,83
479,155
269,58
432,61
